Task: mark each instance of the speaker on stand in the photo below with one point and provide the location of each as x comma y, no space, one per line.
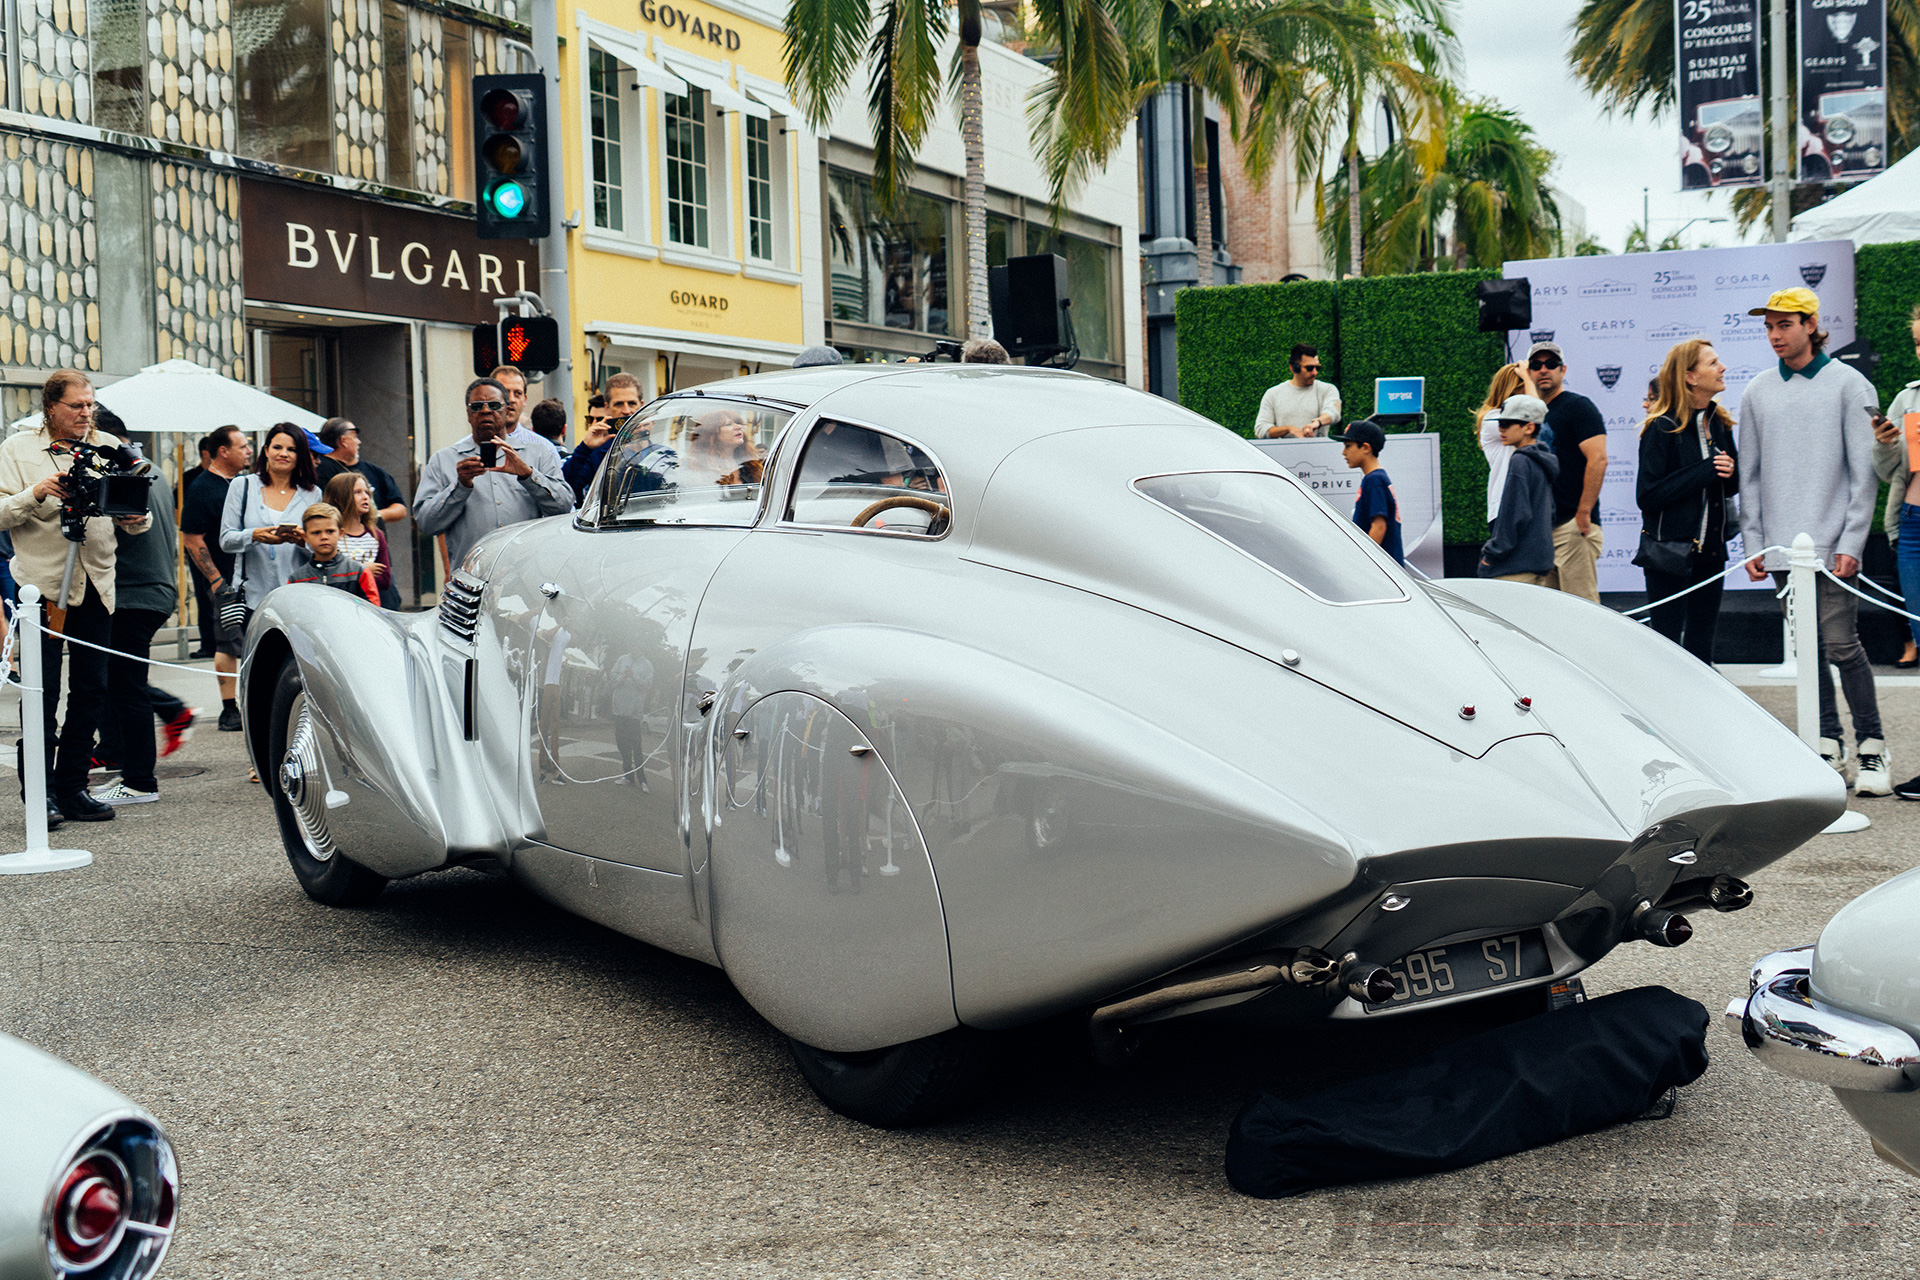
1032,314
1505,305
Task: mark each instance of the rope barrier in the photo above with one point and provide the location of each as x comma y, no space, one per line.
1704,582
1845,586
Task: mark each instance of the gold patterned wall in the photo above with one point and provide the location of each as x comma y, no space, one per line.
197,267
54,53
190,72
359,91
49,274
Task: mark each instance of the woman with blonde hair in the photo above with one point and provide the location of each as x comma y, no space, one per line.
361,537
1508,380
1688,473
720,452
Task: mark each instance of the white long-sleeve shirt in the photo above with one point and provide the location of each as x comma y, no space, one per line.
444,505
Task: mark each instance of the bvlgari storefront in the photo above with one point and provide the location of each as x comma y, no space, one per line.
365,310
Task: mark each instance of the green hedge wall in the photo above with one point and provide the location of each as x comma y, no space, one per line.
1234,343
1887,286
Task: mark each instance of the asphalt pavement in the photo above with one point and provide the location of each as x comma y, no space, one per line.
462,1082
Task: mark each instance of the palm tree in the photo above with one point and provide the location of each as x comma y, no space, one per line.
900,40
1623,53
1478,168
1261,60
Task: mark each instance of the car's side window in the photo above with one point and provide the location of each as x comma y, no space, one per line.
689,462
854,477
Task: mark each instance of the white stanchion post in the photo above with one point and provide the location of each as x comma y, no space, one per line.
1803,570
37,857
1789,668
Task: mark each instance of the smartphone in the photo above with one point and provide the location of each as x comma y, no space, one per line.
489,455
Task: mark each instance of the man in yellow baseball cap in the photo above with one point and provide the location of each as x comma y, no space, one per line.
1806,466
1793,301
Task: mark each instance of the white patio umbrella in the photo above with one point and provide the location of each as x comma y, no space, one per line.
179,395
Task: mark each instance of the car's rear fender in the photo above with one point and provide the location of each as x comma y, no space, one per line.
405,787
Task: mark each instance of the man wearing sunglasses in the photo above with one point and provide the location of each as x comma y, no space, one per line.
1580,444
1302,405
501,474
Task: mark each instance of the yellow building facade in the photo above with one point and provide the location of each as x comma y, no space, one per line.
691,183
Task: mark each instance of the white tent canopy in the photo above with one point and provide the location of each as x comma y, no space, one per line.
1881,210
178,395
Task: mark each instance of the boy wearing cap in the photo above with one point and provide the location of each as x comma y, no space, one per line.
1520,545
1374,509
1806,466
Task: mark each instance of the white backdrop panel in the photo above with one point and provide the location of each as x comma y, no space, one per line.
1617,315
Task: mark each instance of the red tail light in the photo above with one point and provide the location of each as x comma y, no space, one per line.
90,1211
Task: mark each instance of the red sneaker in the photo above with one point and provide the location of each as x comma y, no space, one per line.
178,730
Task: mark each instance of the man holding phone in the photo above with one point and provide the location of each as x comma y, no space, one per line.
501,474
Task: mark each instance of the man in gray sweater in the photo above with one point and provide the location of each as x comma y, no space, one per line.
1806,466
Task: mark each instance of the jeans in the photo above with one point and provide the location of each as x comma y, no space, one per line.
1691,620
129,702
1840,647
1906,550
70,746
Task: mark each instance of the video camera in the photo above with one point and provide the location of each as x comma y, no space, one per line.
104,481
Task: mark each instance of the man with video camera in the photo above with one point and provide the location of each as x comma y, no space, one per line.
48,512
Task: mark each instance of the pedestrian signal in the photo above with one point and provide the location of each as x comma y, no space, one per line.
510,153
531,343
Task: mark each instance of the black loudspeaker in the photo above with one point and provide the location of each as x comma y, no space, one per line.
1504,305
1027,297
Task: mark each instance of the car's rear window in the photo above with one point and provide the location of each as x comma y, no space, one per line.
1291,532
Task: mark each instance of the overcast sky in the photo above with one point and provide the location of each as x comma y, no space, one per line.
1515,51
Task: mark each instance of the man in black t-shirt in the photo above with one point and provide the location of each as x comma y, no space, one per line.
343,438
1580,444
228,453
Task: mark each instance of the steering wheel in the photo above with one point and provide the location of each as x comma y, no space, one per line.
936,510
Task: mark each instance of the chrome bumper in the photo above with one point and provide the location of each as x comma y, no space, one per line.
1798,1036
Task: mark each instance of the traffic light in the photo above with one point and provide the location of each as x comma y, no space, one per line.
531,343
486,349
510,156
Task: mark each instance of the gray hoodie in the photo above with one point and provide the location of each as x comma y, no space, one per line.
1521,540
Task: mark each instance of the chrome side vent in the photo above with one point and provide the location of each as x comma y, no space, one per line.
460,608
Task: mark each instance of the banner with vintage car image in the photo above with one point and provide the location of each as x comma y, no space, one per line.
1718,69
1617,316
1843,89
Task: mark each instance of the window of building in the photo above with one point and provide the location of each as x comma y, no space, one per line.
119,30
686,121
1089,285
281,59
888,269
603,103
759,190
398,85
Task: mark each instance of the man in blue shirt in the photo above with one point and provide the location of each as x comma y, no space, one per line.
1375,509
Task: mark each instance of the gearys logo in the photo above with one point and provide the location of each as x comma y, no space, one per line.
1813,273
1608,374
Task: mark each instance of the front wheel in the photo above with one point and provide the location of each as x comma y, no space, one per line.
903,1085
297,782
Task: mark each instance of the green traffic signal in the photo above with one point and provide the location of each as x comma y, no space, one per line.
508,199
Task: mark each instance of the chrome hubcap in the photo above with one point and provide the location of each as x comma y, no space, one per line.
301,781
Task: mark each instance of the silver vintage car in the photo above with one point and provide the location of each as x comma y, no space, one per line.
990,696
1845,1013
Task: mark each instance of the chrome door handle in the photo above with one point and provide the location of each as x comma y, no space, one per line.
549,589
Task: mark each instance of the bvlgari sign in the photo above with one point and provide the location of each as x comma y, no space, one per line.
315,248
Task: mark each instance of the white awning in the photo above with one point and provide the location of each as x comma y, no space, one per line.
628,49
776,102
724,95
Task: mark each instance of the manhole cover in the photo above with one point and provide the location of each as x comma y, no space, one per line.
178,770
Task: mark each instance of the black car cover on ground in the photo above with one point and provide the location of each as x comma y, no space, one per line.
1516,1087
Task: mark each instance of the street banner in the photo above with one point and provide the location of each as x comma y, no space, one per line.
1717,65
1843,89
1412,460
1617,315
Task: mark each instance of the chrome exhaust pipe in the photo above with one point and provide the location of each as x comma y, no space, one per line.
1729,894
1369,983
1660,927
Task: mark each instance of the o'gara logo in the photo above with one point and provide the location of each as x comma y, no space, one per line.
1608,374
1813,273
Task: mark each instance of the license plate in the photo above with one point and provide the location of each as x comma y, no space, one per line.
1477,965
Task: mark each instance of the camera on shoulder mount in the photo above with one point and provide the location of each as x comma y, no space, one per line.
106,480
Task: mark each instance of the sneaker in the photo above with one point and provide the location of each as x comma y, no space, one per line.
84,808
230,720
1908,790
1834,752
178,730
120,793
1873,778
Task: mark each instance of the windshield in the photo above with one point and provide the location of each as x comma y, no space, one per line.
1265,516
1729,111
1834,104
690,462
